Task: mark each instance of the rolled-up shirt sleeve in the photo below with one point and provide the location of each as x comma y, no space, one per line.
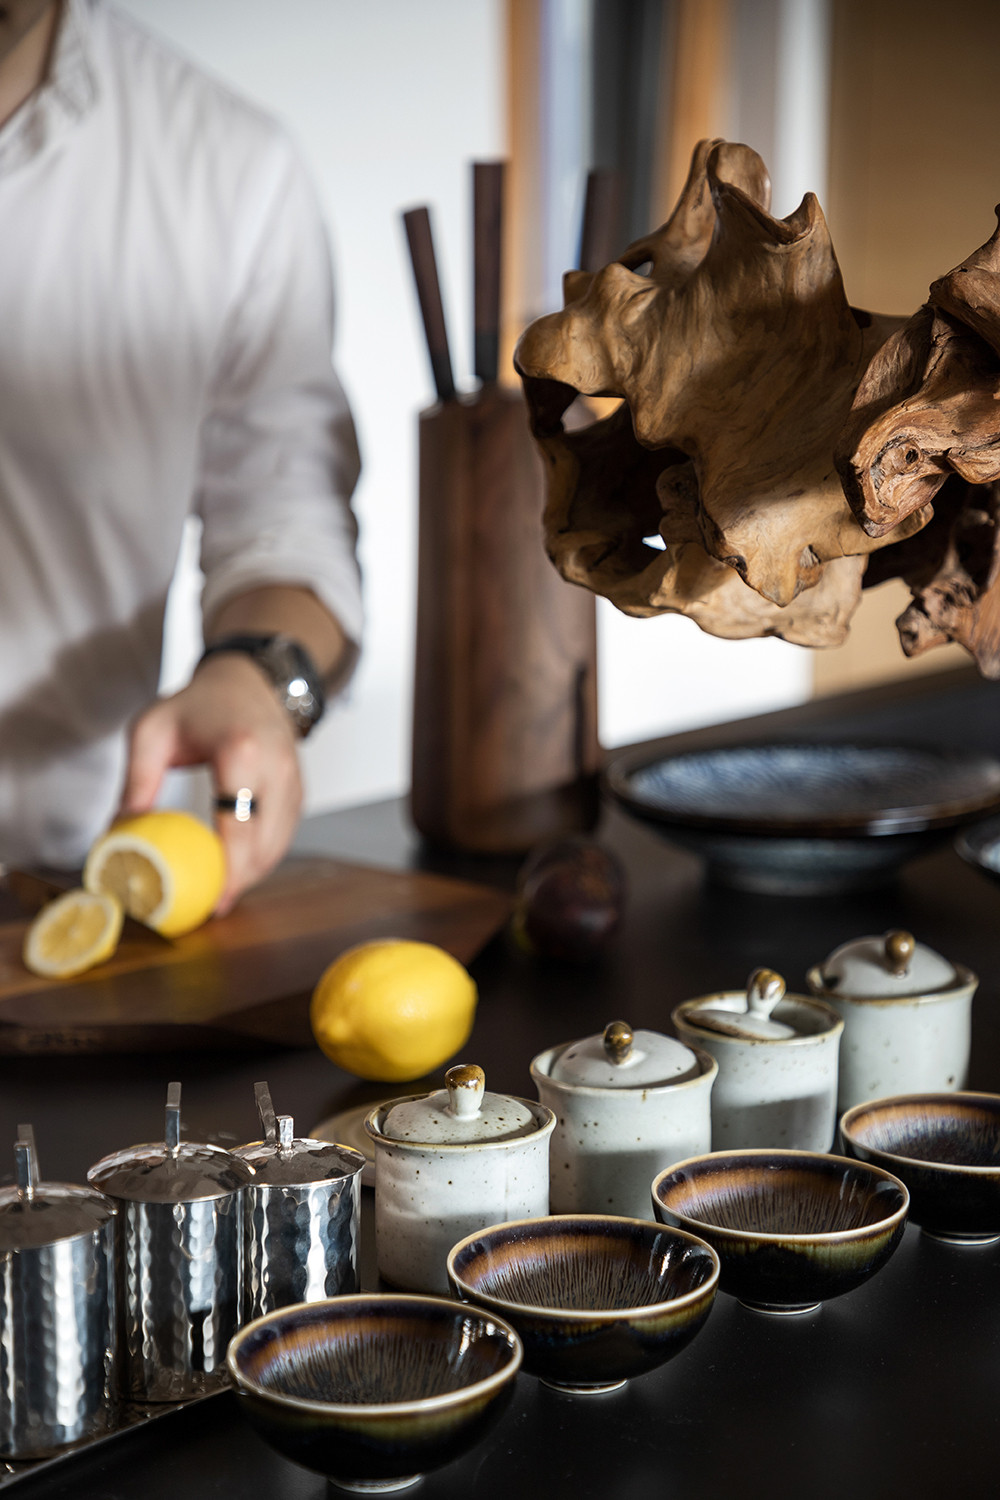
279,455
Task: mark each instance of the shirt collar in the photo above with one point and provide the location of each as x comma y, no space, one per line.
66,97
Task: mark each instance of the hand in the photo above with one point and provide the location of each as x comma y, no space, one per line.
229,719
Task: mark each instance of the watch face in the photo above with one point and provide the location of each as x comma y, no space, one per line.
296,681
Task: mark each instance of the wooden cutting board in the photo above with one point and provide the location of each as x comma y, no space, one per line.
243,978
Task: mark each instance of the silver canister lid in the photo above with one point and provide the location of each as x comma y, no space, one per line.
171,1170
460,1113
34,1214
894,964
620,1058
283,1159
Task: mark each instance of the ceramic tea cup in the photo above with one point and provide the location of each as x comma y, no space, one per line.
373,1391
777,1057
791,1228
595,1299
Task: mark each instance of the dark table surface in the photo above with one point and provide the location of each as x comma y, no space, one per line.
888,1391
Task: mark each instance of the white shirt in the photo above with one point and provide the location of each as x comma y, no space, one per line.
165,334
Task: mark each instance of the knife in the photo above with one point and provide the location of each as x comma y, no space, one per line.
33,889
487,225
417,222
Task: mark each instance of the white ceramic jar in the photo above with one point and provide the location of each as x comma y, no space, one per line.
447,1164
907,1016
627,1106
777,1057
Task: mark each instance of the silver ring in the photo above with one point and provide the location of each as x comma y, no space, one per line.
242,806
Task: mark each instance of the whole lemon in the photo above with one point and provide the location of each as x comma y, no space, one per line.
393,1009
166,868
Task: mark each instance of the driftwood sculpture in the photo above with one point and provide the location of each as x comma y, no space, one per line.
775,449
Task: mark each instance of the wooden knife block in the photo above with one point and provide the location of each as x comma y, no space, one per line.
505,748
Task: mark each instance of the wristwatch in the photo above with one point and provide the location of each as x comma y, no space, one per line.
289,668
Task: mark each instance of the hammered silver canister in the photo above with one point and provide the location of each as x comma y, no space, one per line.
301,1216
56,1311
178,1253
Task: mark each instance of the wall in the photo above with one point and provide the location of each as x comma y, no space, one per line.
390,103
914,176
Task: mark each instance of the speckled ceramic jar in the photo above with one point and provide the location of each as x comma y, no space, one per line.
447,1164
627,1105
773,1090
907,1016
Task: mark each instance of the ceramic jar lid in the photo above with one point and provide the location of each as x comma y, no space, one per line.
34,1214
283,1159
882,967
749,1016
171,1170
459,1113
620,1058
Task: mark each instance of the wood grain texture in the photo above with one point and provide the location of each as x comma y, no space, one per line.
249,974
504,723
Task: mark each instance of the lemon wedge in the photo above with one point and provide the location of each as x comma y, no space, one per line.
166,868
73,933
393,1009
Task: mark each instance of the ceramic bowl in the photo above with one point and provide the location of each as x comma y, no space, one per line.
596,1299
373,1391
804,819
791,1228
946,1148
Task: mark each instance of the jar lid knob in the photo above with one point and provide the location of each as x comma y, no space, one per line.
618,1040
172,1130
465,1084
764,989
899,949
26,1162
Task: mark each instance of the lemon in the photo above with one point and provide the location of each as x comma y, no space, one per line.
166,868
393,1010
73,933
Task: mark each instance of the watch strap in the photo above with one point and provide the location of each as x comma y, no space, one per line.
289,668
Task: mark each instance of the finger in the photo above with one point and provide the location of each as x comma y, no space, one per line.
255,846
152,748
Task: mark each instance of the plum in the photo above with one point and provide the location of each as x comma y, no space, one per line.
569,899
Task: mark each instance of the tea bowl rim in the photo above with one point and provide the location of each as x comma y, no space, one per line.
602,1315
788,1237
944,1096
373,1410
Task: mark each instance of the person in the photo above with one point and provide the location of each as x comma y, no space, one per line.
165,338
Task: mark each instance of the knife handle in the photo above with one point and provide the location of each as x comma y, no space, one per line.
418,234
487,234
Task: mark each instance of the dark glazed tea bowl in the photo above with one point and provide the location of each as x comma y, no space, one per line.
373,1391
596,1299
946,1148
791,1228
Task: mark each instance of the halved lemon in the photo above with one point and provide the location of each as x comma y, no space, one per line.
166,868
73,933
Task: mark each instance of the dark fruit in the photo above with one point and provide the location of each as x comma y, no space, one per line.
569,900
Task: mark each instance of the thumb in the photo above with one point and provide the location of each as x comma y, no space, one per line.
150,753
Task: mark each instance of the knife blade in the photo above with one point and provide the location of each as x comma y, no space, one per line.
33,889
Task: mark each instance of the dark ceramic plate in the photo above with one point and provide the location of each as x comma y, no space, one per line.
946,1148
979,845
807,818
